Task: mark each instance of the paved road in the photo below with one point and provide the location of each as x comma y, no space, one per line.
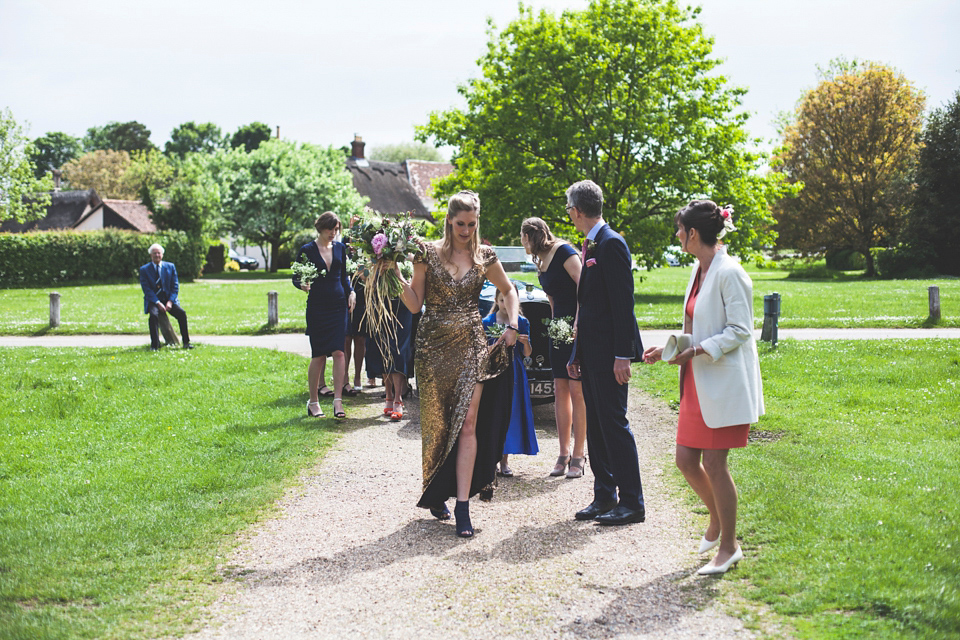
298,343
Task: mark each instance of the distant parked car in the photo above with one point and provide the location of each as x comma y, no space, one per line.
245,262
536,308
672,256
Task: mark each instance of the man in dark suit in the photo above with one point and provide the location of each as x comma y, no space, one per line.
160,285
607,340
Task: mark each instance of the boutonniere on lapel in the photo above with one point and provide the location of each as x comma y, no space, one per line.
588,248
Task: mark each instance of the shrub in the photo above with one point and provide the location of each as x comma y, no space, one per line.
845,260
904,261
231,266
216,256
50,257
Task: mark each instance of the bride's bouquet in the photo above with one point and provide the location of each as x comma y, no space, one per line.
380,244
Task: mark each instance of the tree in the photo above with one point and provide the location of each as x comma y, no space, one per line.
933,223
850,143
249,136
406,151
118,136
52,151
621,93
103,170
193,200
149,175
23,197
277,190
191,137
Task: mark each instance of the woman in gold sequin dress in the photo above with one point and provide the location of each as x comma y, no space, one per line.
460,424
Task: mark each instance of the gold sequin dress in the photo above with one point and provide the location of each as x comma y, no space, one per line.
451,357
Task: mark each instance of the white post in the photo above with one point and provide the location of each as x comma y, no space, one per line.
54,309
933,295
272,312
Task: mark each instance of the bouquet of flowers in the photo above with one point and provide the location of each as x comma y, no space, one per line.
495,330
307,271
560,330
380,244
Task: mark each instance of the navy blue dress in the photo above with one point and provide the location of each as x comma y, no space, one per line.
401,349
327,299
558,284
521,434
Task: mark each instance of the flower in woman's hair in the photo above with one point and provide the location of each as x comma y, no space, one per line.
378,242
726,214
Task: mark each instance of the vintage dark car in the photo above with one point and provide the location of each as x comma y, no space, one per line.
245,262
535,307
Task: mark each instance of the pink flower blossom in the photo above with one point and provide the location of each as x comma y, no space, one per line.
378,242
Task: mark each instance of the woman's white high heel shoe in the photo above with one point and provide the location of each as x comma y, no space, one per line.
722,568
706,545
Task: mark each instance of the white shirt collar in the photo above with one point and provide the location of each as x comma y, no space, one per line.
592,235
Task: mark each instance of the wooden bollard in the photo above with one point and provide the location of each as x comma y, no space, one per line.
54,309
933,296
272,312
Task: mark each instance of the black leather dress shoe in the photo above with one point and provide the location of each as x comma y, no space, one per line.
594,509
621,515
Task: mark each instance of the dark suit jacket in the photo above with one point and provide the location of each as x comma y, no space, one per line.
607,326
169,284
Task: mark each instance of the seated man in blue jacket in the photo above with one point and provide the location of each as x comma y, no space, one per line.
160,285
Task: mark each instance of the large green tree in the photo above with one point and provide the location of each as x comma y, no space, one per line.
51,151
192,201
191,137
624,93
851,143
250,136
934,219
23,196
118,136
277,190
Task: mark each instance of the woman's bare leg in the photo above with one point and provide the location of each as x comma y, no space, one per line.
467,447
688,461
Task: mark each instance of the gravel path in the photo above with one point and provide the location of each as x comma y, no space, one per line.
350,554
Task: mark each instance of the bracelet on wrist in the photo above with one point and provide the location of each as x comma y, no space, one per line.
510,326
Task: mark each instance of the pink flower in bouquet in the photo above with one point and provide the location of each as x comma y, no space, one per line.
378,242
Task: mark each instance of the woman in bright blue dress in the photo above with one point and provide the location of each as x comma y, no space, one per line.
521,435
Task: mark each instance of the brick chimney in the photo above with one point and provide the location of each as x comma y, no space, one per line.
356,148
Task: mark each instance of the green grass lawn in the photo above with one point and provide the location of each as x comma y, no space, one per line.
849,515
225,305
124,475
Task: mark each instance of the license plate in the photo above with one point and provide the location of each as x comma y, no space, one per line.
541,388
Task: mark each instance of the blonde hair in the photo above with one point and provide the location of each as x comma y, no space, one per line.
540,239
460,202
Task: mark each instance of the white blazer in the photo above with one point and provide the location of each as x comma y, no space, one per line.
727,374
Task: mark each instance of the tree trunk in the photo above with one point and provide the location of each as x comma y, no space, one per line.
870,268
274,252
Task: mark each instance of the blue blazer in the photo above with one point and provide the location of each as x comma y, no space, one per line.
607,326
169,284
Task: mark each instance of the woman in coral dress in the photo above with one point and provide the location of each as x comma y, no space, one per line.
721,392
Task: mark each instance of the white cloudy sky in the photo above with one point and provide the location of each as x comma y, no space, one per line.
324,71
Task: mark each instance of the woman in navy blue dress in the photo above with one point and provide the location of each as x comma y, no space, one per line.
558,267
329,299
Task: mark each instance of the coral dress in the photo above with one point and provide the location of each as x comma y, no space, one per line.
692,431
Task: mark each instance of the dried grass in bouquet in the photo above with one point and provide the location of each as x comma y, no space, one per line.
380,243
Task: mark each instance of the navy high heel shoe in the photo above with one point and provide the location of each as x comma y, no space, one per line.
441,512
462,513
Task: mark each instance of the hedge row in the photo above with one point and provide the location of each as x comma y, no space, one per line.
49,257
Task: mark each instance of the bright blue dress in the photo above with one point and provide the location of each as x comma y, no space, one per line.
521,435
